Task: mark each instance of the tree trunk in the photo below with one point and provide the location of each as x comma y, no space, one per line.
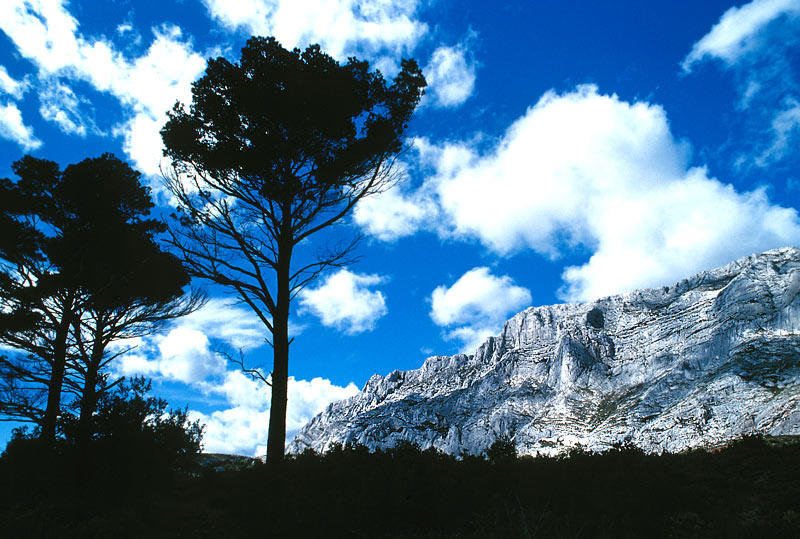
89,405
48,426
276,440
89,397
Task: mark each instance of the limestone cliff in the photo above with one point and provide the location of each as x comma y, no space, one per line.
711,358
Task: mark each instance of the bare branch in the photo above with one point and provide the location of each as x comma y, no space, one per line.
255,374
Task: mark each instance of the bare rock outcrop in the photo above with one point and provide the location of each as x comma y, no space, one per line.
714,357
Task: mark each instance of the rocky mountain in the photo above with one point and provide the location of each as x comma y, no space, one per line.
714,357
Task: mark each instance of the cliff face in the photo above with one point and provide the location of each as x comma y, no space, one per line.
711,358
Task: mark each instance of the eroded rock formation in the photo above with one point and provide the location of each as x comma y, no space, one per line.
714,357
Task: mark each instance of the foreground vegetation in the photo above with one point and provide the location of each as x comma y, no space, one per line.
748,489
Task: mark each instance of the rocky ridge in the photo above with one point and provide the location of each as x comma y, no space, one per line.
712,358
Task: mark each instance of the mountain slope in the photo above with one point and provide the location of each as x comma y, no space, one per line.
711,358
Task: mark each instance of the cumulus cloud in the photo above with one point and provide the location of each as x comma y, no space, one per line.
450,75
46,33
242,428
14,129
478,302
590,171
182,355
11,86
341,27
186,354
344,301
393,214
737,31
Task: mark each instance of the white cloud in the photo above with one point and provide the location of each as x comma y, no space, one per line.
784,128
11,86
47,34
478,302
241,390
341,27
228,321
393,214
737,31
344,301
59,104
475,295
135,365
243,428
307,398
235,431
757,42
450,76
585,169
14,129
185,356
181,355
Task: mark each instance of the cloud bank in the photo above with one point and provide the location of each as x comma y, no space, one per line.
242,429
583,170
186,353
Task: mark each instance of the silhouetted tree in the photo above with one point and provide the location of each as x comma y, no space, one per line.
38,300
97,270
130,285
273,150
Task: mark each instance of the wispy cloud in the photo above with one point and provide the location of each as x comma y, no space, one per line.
45,33
757,43
342,27
738,30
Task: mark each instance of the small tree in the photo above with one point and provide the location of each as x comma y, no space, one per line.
273,150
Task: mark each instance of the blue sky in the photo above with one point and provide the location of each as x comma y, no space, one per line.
565,150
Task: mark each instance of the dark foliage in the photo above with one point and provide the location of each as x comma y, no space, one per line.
137,446
502,450
749,489
79,269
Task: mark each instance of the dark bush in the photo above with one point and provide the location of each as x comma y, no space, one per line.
137,445
749,489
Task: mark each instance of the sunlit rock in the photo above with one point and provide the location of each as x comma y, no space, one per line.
712,358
